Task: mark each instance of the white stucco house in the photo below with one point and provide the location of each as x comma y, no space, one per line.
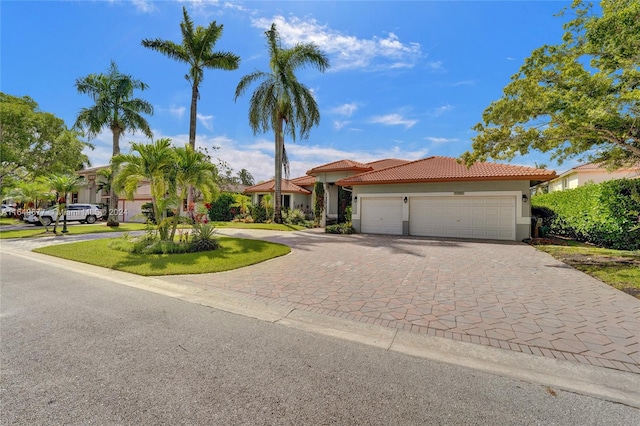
435,196
128,210
590,172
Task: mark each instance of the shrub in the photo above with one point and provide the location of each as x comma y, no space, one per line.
293,217
259,213
340,228
605,214
220,209
203,238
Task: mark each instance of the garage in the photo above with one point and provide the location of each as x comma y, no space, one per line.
491,217
382,215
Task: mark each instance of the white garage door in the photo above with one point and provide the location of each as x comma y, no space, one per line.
463,217
381,216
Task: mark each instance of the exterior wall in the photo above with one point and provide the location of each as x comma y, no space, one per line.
482,188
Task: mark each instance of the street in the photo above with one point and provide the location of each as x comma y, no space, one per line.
79,350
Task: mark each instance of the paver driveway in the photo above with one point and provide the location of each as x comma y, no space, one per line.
506,295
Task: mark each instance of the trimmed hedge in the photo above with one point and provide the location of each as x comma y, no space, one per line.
605,214
220,210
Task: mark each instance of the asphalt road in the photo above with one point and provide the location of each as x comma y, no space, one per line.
79,350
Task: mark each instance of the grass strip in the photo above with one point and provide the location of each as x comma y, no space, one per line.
233,253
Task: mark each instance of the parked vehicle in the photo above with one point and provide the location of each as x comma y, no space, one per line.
83,213
7,211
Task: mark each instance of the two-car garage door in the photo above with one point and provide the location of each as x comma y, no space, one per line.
487,217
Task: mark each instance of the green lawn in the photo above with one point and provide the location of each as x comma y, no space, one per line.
233,253
267,226
39,231
618,268
8,221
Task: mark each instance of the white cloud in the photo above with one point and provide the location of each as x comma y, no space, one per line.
338,125
463,83
437,112
346,51
257,155
177,111
206,120
441,140
144,6
393,120
345,109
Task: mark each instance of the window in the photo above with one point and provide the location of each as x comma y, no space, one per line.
74,197
286,201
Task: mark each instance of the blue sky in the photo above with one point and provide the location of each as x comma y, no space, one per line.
407,79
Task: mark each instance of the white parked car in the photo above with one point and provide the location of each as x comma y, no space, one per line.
7,210
83,213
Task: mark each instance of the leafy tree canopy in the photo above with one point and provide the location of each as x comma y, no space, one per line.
580,98
35,143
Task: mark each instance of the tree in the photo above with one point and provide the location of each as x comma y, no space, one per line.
196,50
245,177
580,97
63,185
151,163
115,108
280,102
33,142
192,170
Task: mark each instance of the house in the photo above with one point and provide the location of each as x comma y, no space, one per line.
438,197
91,192
435,196
590,172
296,193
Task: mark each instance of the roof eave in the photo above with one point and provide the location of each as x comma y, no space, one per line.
344,182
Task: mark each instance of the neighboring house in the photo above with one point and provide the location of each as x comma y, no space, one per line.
586,173
296,193
128,210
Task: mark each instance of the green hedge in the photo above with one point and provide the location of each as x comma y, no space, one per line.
221,208
605,214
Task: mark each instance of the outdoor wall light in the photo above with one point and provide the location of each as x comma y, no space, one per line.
355,198
405,200
524,198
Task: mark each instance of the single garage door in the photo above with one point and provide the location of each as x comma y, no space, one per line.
381,216
463,217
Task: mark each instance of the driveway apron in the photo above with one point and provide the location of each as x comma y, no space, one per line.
505,295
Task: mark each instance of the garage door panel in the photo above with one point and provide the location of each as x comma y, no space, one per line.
463,217
381,216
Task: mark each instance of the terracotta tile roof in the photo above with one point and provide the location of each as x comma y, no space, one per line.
446,169
304,180
269,186
389,162
599,166
341,166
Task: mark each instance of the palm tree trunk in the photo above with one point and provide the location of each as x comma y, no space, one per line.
112,217
192,138
277,204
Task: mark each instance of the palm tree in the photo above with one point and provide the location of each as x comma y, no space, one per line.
29,193
63,185
193,170
152,163
246,178
280,102
196,50
115,108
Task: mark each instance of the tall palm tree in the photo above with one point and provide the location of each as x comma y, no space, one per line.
152,163
63,185
196,50
280,102
115,108
193,170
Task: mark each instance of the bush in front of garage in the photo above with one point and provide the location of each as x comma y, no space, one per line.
340,228
220,210
603,214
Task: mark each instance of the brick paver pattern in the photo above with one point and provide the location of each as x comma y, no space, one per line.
505,295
